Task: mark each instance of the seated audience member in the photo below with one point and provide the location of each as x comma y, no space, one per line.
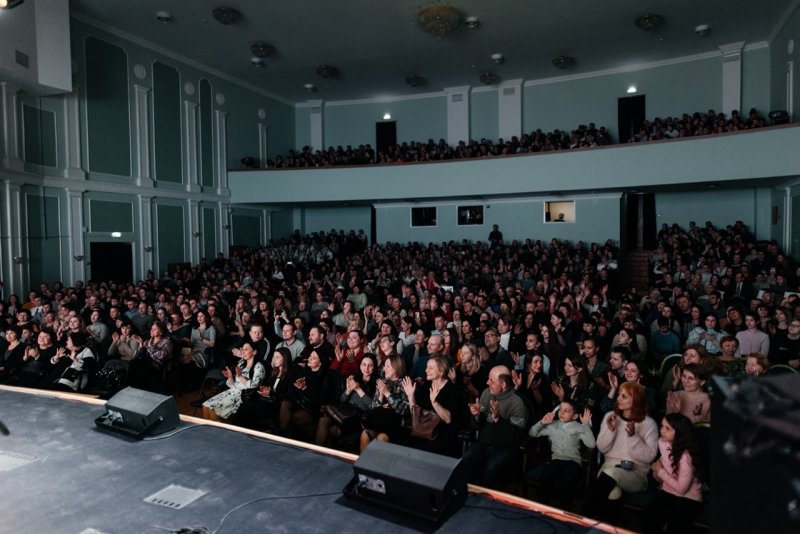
752,339
434,347
785,346
679,472
388,415
708,336
416,351
125,342
634,372
37,358
628,438
469,374
664,341
146,369
97,328
559,477
246,375
692,355
347,360
81,362
317,341
575,384
756,364
727,363
12,359
692,401
533,385
312,388
265,403
290,341
436,395
501,418
357,397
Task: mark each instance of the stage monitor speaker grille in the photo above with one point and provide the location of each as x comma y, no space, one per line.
138,413
409,481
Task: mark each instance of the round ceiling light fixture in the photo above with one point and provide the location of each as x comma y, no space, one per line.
649,21
162,16
226,15
489,78
415,81
439,19
562,62
326,71
261,49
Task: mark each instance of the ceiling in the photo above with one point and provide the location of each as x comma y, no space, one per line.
376,44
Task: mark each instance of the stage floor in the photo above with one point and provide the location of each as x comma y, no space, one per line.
59,474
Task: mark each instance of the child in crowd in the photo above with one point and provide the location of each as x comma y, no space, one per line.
560,476
679,472
756,364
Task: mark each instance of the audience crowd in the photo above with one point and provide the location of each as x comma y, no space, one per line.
415,152
697,124
687,125
505,353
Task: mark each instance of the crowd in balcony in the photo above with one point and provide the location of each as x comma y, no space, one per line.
415,152
687,125
696,125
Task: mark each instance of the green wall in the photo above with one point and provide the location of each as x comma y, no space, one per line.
483,115
246,229
354,124
43,232
171,234
779,58
110,216
209,230
167,123
107,108
39,141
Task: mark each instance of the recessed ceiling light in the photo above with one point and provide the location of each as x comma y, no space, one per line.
162,16
702,30
631,89
472,23
257,62
387,116
498,58
310,87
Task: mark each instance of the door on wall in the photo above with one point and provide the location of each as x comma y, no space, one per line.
385,135
111,261
630,116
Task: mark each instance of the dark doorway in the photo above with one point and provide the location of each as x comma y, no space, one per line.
111,261
385,135
630,116
640,221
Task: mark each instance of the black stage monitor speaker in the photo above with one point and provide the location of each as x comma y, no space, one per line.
138,413
409,482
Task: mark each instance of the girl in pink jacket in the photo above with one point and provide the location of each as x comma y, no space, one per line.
679,470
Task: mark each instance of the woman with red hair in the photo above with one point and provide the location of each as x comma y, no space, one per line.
629,440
